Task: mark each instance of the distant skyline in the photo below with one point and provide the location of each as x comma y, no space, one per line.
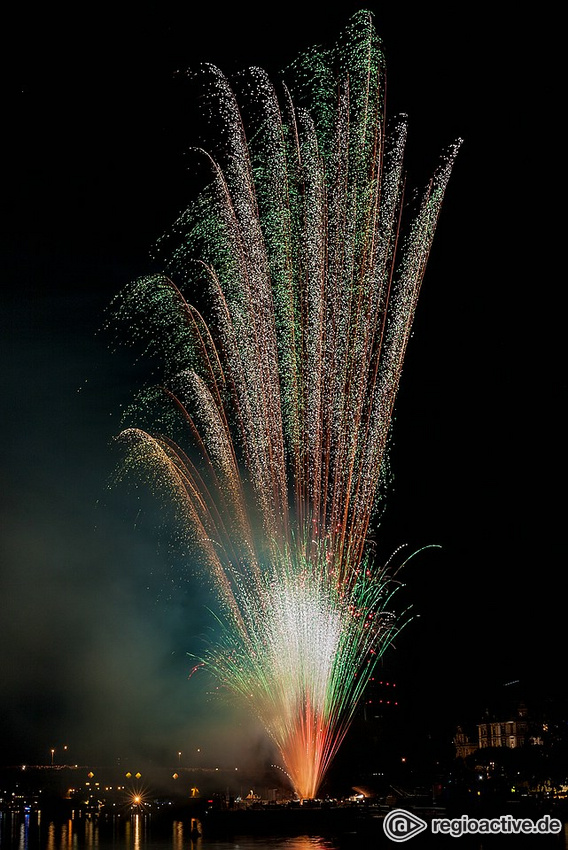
97,615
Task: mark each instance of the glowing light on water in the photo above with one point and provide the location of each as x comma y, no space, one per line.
270,429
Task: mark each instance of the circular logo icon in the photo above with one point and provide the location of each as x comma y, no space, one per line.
400,825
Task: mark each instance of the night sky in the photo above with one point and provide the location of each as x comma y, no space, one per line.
97,612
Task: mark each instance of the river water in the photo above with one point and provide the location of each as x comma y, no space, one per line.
39,832
34,832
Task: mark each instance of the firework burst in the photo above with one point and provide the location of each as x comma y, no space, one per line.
273,418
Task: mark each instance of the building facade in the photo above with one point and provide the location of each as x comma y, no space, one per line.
511,732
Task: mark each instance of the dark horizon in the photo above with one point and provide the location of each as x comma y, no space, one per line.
98,614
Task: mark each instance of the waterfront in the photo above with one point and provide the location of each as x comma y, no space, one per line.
38,831
35,832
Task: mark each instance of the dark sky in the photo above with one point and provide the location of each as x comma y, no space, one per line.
96,614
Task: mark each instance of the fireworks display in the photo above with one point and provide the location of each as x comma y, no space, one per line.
270,428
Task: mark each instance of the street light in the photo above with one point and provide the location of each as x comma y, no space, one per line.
52,754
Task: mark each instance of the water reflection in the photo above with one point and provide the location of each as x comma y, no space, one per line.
177,835
131,833
187,837
51,837
24,828
91,833
304,842
68,837
140,832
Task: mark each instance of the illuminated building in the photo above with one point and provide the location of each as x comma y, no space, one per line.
511,731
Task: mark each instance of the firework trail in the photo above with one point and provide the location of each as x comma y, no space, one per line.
284,396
